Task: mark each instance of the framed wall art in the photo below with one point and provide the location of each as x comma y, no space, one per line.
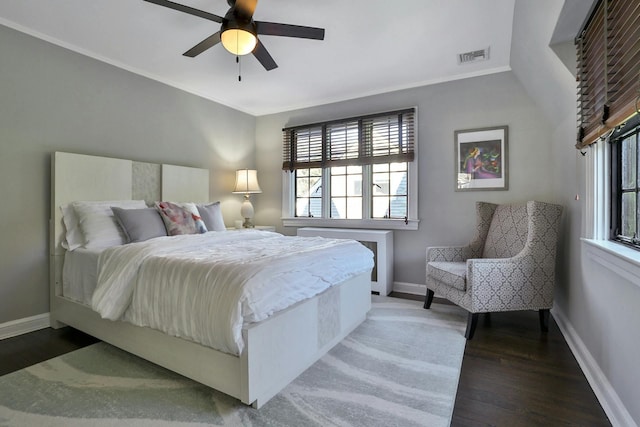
481,159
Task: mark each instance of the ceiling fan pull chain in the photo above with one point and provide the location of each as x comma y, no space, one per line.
238,57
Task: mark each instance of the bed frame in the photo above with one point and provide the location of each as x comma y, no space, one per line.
277,349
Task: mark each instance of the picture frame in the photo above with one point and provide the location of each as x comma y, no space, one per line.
481,159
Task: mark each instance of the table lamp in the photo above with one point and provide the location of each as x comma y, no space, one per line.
247,184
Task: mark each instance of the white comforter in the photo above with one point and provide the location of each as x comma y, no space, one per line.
204,287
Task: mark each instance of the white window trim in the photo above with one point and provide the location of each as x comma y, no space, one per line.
288,202
598,191
375,224
288,206
612,255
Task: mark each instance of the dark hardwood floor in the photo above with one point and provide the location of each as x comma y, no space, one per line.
28,349
512,374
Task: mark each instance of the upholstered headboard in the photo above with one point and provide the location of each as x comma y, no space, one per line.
81,177
184,184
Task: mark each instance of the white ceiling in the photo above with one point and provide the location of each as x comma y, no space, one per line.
370,46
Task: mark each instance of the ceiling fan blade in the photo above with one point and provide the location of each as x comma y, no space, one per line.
245,8
187,9
286,30
205,44
262,55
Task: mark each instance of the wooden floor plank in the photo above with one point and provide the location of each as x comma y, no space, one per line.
515,375
35,347
525,376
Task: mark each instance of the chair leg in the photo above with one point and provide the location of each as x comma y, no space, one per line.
428,299
544,319
487,319
472,322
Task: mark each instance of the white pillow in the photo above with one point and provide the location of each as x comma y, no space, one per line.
99,227
73,238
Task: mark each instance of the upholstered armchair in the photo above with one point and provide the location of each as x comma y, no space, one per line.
509,265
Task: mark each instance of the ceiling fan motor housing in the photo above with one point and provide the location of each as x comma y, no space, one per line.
232,20
238,34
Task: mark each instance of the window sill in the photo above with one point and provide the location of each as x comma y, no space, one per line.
376,224
616,257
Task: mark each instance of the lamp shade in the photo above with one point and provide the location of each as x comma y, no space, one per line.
247,182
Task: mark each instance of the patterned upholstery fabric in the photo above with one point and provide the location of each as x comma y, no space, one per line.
454,273
510,264
507,233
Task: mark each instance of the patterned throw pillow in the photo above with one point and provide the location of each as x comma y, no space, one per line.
178,220
195,214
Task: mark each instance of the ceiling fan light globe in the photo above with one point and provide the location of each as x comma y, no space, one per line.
238,41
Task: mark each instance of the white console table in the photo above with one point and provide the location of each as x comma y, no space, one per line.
384,257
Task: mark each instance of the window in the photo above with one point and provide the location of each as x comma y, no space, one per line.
608,99
352,171
608,68
608,96
625,184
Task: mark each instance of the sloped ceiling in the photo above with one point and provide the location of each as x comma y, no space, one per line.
543,56
371,46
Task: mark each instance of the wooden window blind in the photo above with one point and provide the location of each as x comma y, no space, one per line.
608,50
379,138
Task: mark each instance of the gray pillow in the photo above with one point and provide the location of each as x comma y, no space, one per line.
140,224
212,216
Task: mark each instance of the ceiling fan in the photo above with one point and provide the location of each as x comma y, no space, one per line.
239,32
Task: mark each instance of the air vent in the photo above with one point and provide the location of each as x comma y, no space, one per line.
473,56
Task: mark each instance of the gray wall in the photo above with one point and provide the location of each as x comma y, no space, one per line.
597,306
52,99
447,217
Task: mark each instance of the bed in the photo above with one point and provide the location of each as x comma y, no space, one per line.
273,351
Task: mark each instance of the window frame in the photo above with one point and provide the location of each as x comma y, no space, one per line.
410,223
628,130
597,245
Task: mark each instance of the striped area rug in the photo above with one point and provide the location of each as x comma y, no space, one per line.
399,368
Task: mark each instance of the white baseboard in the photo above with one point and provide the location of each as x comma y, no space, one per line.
606,394
23,326
409,288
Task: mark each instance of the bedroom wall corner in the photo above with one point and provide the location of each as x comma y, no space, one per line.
52,99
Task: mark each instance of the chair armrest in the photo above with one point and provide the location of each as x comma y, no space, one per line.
449,253
516,283
499,269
